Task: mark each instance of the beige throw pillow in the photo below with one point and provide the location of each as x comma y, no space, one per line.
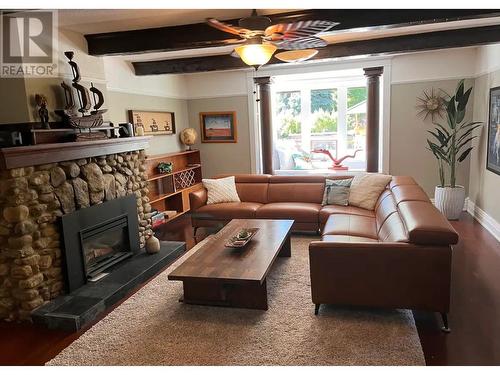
221,190
366,188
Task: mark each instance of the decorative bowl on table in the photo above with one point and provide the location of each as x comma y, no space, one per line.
241,238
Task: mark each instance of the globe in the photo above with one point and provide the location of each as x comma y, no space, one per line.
188,137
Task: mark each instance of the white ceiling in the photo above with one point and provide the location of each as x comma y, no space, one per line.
88,21
93,21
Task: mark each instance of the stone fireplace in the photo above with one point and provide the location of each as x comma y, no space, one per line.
41,184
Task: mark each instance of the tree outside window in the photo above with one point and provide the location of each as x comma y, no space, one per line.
310,118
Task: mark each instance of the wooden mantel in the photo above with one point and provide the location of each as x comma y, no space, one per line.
25,156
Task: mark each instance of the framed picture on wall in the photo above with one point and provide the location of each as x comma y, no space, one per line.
218,127
152,122
493,151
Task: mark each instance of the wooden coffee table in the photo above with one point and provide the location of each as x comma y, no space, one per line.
221,276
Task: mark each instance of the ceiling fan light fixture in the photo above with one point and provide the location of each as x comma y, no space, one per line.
296,55
255,54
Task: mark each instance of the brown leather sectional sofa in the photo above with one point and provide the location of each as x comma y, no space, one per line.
397,256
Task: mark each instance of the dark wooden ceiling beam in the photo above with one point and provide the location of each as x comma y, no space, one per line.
399,44
201,35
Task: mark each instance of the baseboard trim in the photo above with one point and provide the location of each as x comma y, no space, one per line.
490,224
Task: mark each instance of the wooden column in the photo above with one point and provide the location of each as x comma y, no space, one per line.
265,120
372,118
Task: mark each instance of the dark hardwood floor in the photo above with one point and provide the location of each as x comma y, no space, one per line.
474,317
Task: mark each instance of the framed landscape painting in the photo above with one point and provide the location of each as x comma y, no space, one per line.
218,127
153,122
493,152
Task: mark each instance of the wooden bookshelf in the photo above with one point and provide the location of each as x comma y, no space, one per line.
170,191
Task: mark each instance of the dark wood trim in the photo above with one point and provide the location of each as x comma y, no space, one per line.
372,118
266,124
200,35
399,44
24,156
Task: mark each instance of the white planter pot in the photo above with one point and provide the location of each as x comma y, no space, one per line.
450,201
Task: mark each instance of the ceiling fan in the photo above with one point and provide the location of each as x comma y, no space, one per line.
260,38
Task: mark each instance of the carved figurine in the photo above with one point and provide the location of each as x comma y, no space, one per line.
82,117
43,113
154,126
337,163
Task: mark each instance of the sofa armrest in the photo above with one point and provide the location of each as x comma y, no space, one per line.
197,199
381,274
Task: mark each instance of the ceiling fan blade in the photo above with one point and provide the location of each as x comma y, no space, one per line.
301,43
222,26
298,29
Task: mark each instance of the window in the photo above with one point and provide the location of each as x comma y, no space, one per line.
320,114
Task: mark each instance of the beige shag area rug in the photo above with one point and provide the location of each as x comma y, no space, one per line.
153,328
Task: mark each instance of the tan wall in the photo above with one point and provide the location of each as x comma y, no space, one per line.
223,157
13,106
484,185
119,103
408,154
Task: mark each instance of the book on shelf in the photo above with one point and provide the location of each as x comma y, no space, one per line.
170,214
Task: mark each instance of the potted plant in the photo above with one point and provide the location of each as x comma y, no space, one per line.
450,144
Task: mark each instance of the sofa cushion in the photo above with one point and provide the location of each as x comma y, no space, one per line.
366,189
232,210
307,189
392,229
343,238
404,193
385,208
402,180
351,225
300,212
250,187
326,211
252,192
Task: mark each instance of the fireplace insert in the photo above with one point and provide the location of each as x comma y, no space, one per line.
97,238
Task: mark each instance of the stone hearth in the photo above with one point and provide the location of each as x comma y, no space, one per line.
33,198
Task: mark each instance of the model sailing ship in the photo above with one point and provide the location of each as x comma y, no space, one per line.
87,116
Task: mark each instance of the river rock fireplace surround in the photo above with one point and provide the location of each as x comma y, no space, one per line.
41,184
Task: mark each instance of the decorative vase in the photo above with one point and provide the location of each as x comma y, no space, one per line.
153,245
450,201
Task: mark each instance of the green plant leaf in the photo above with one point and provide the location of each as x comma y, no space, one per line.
465,142
460,90
451,112
440,136
445,131
464,154
463,126
438,151
462,103
467,133
460,114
